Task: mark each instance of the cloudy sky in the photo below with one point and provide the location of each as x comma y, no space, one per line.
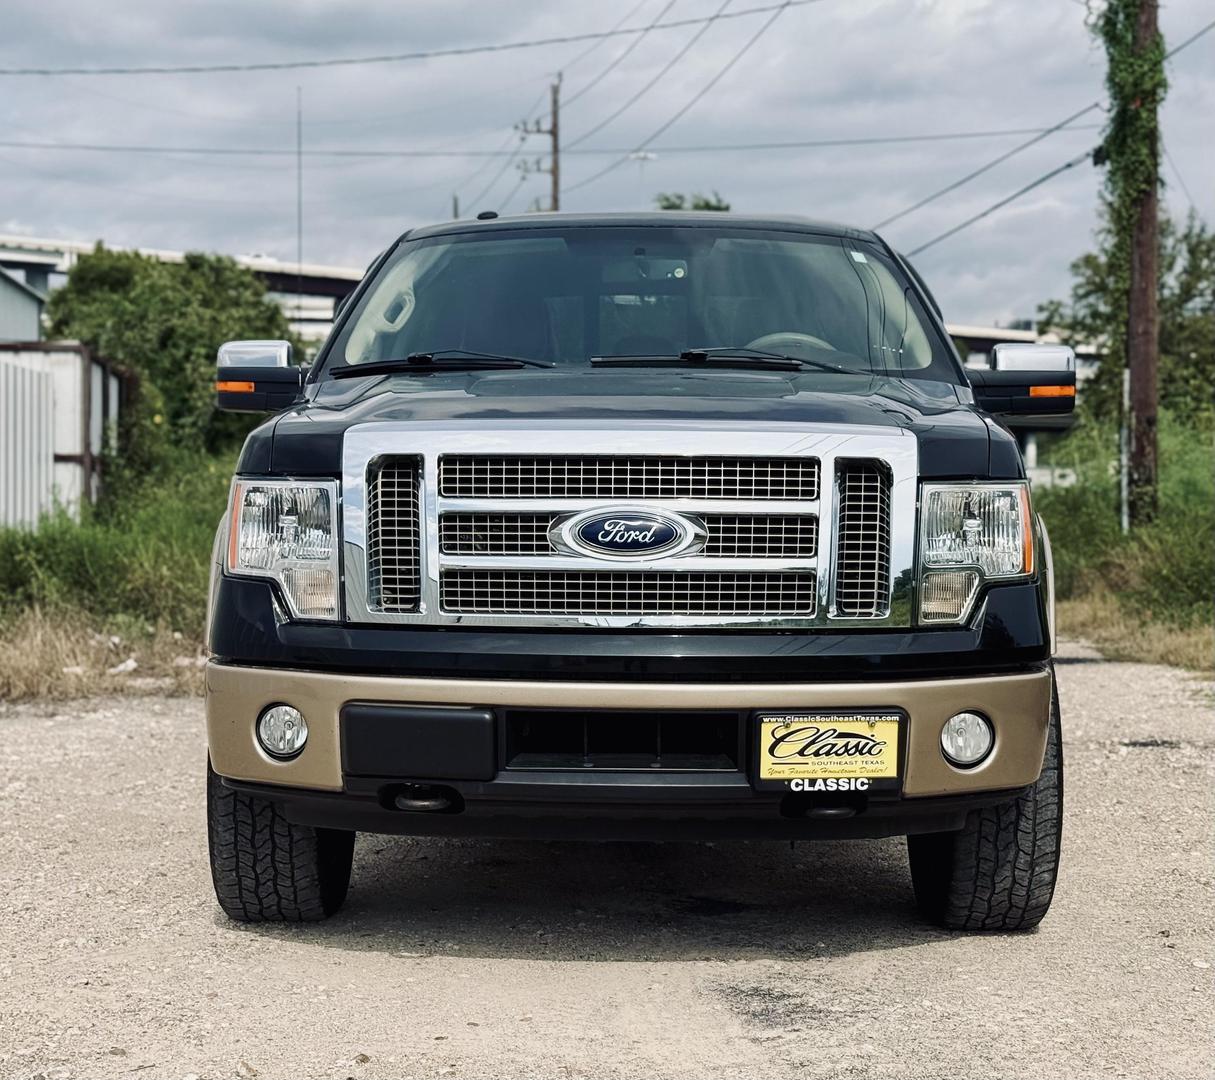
835,69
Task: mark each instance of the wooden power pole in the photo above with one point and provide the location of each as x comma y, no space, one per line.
554,132
1143,328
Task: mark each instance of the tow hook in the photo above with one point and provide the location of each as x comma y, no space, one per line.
427,799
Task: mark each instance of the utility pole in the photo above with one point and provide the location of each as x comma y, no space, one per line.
299,201
1143,332
455,207
553,131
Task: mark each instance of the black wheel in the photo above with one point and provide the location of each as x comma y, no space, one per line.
268,869
997,873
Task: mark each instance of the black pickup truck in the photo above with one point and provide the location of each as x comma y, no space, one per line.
636,526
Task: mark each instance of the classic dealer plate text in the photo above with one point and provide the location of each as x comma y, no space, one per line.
813,745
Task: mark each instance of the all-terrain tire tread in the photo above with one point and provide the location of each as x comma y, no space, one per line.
268,869
999,871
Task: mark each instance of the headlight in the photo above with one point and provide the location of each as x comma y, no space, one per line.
287,530
970,533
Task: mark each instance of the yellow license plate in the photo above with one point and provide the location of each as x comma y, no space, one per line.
827,745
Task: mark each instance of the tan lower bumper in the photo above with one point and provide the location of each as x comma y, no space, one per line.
1018,705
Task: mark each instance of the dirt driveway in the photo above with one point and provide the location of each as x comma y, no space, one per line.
492,959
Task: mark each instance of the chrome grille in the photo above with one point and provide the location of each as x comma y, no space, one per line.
495,534
761,536
626,592
469,508
737,536
394,574
467,476
862,566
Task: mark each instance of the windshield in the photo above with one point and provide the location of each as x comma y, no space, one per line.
563,296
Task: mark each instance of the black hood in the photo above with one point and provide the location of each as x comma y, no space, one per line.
954,440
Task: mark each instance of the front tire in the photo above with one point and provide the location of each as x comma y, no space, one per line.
999,871
268,869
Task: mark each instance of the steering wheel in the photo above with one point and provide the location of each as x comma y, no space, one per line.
788,341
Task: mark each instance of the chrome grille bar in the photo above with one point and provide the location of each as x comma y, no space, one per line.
466,476
862,551
394,536
730,536
626,592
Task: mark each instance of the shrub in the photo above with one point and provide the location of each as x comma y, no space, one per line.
145,556
1163,571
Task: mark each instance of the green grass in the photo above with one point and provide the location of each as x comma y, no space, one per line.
143,557
1162,573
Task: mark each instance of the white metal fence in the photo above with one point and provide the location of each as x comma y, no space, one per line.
58,406
27,447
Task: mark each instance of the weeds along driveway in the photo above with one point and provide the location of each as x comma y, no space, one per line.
492,959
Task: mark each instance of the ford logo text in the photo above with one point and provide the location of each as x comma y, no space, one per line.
627,534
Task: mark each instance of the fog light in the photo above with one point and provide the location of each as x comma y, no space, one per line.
282,731
966,739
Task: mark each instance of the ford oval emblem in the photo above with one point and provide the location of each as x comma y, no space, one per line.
628,533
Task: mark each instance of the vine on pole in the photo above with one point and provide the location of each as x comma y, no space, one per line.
1137,85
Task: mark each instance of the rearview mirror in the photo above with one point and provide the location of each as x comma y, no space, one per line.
256,376
1028,386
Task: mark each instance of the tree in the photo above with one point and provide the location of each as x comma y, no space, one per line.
1095,314
675,200
165,321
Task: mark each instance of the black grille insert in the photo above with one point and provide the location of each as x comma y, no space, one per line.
672,741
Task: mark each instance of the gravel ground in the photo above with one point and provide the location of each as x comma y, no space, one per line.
493,959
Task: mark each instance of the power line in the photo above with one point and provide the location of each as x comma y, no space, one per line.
499,174
650,85
489,158
628,48
987,167
491,155
1005,201
684,110
1177,173
1031,142
599,41
392,58
1190,40
621,58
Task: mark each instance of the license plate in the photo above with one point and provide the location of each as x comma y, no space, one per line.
828,745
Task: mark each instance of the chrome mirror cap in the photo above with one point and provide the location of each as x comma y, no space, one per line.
255,354
1022,357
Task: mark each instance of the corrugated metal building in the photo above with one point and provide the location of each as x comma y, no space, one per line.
20,310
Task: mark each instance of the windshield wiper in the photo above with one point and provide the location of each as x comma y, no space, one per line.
743,352
741,357
445,359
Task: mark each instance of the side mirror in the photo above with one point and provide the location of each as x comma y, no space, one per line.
256,376
1029,386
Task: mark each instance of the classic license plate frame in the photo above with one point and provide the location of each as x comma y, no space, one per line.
885,781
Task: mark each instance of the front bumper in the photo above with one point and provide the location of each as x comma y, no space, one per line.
315,786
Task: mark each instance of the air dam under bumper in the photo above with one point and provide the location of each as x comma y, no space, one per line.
314,787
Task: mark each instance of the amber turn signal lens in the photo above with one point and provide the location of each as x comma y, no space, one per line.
1052,391
234,387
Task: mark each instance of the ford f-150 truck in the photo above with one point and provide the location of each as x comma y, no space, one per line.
636,526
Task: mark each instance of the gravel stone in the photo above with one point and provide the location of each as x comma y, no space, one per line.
657,960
